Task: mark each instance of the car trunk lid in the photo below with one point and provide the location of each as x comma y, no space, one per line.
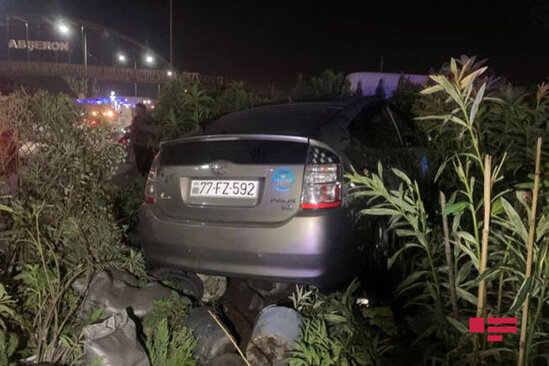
232,178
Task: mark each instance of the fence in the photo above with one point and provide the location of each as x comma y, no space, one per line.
107,73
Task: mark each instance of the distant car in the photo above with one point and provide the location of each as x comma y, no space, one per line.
122,136
260,193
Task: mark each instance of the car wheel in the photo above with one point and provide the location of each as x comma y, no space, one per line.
272,292
187,283
383,245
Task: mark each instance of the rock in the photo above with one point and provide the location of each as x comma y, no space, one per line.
275,332
214,287
114,341
242,306
272,292
227,359
113,293
211,341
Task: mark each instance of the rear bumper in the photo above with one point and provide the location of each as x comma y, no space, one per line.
317,249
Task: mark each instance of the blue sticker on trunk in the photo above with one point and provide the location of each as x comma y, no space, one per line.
283,179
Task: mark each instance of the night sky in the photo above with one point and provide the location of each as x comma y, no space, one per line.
272,41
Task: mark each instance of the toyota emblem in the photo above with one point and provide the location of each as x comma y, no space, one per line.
218,168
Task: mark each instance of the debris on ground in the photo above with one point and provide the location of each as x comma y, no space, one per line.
274,334
116,291
114,342
227,359
241,306
211,341
266,332
214,287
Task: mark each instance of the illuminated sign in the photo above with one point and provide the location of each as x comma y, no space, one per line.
21,44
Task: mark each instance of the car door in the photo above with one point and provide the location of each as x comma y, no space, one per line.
376,137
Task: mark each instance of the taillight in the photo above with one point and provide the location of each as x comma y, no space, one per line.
150,186
322,180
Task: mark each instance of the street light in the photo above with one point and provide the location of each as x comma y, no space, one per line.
169,73
63,28
149,59
122,58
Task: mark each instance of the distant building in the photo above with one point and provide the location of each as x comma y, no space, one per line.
383,83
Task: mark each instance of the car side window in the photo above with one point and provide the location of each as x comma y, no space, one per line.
373,128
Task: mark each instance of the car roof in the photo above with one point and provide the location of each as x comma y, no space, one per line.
290,118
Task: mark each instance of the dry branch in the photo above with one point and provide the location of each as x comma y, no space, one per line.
485,234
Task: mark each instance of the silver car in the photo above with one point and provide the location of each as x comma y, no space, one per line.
260,193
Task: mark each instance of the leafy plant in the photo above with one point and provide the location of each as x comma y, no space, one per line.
234,97
328,85
318,347
174,310
126,200
171,348
335,331
62,227
8,347
82,88
6,306
304,298
181,105
457,114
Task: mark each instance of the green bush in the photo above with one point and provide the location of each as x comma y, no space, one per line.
181,105
174,310
439,291
508,121
126,199
328,85
335,331
6,307
8,347
62,226
236,96
168,347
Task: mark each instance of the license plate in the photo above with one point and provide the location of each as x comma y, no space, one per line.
225,188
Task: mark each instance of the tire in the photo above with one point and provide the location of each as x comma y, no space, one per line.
383,244
186,283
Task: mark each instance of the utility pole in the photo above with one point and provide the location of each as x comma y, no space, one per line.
84,45
8,33
171,33
135,76
381,64
27,38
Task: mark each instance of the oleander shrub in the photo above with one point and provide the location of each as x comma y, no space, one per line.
62,226
468,116
328,85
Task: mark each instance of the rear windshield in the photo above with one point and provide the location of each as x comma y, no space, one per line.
239,152
288,119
